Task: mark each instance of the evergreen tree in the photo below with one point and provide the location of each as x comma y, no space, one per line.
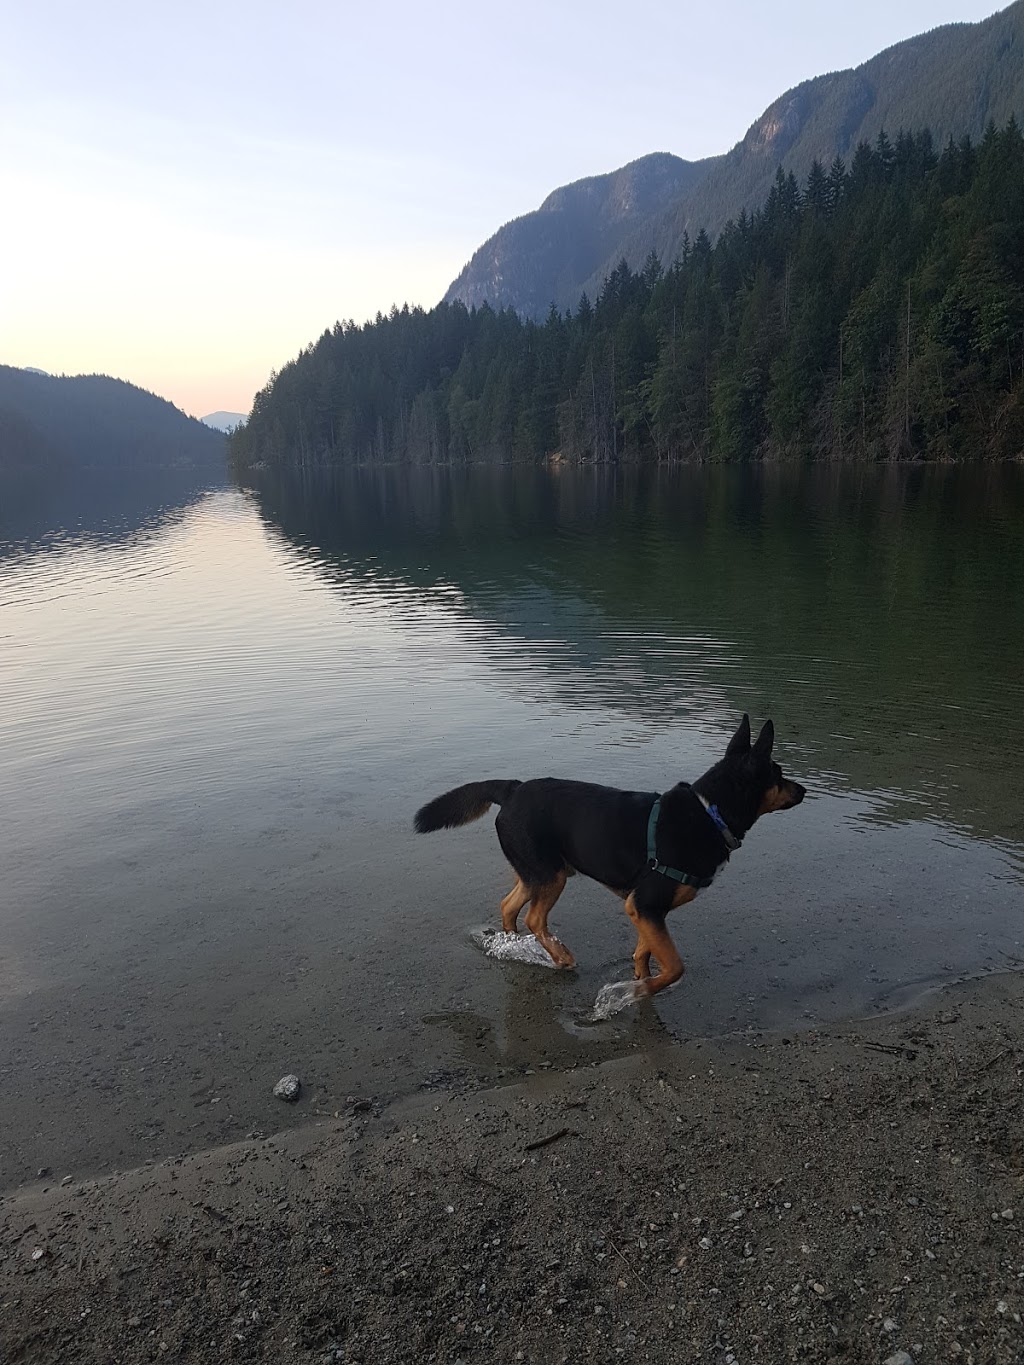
879,314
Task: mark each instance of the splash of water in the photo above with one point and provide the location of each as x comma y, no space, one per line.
615,996
512,947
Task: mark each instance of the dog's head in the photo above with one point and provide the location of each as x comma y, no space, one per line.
747,781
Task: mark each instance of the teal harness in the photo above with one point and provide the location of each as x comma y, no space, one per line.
673,873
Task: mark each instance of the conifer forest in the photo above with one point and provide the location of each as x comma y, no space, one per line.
875,312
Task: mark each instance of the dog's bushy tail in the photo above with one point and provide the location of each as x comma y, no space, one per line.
463,804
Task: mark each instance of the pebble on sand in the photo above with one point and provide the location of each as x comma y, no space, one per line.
288,1088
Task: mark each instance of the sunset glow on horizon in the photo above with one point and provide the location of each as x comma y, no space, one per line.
197,197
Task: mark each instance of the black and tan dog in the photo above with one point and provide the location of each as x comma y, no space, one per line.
656,852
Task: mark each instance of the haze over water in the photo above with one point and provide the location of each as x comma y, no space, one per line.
220,715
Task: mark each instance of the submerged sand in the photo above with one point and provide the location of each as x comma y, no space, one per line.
850,1194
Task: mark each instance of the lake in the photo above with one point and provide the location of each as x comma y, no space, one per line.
221,708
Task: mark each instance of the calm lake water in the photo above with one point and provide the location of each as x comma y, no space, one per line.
221,708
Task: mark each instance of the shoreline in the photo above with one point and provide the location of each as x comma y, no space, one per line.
839,1193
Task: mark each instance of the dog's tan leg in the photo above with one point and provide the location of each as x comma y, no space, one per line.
541,904
657,941
511,906
652,938
641,960
642,956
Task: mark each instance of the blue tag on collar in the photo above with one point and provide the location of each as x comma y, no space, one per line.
731,842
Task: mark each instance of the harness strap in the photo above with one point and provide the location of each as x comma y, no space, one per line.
673,873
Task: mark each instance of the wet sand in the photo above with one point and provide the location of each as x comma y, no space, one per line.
848,1194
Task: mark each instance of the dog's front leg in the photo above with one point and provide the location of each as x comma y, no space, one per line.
658,941
653,939
642,956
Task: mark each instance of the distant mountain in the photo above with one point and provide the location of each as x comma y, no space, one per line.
544,256
50,424
953,80
223,421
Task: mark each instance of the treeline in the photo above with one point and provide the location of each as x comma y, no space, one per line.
877,311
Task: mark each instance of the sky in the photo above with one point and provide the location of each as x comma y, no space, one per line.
193,192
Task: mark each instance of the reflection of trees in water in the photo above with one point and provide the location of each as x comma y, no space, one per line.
877,612
95,508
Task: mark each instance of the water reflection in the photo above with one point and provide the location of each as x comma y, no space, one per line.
92,508
877,614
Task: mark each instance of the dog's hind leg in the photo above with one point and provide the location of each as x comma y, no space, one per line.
511,906
542,901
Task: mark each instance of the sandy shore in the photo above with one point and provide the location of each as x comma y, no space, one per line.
855,1194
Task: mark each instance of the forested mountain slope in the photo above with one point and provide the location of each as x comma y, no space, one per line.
953,80
875,311
92,421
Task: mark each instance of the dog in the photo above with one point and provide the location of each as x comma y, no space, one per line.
655,852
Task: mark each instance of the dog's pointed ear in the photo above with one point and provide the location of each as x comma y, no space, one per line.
765,740
740,742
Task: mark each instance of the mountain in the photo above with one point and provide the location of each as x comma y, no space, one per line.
66,423
544,256
953,80
223,421
874,312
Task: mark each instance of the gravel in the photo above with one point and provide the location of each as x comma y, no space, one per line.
819,1197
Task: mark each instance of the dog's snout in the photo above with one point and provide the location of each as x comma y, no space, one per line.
798,792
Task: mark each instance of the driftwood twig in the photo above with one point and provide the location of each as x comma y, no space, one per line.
997,1058
547,1141
640,1281
907,1052
480,1179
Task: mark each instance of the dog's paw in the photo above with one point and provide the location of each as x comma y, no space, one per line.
512,947
565,960
615,996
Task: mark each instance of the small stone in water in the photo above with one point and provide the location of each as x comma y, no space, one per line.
288,1088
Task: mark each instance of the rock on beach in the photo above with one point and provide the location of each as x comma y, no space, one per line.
288,1088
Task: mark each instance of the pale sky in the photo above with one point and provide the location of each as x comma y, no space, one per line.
193,192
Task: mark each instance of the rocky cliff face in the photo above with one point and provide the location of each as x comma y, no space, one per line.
952,80
545,256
